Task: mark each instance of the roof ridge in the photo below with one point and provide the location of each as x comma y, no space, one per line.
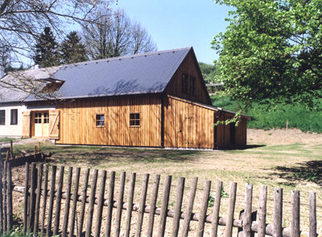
127,56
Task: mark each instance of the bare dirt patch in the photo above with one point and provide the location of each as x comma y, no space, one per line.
282,137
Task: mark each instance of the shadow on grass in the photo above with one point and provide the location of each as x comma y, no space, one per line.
101,156
308,171
243,147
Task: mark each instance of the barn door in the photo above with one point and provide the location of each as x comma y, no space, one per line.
26,124
54,120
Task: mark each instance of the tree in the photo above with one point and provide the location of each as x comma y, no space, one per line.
210,72
72,49
113,34
46,50
22,21
272,50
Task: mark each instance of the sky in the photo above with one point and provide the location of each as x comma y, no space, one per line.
180,23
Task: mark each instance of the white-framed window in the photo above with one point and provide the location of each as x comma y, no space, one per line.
13,116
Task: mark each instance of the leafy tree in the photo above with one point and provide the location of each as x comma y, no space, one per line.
113,34
47,51
210,72
272,50
72,49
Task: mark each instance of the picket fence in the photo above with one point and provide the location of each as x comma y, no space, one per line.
61,208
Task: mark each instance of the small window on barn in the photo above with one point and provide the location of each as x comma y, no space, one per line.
100,120
134,119
185,83
188,84
2,117
14,117
46,117
191,85
37,117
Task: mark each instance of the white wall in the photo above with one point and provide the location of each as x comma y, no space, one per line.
8,130
12,130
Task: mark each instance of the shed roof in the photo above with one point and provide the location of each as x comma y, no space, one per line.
137,74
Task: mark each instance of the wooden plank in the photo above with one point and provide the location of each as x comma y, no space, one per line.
38,196
231,209
67,202
44,200
51,200
1,204
142,205
261,230
177,207
164,205
90,210
118,218
295,221
82,211
312,217
58,199
74,204
188,212
247,220
215,217
9,197
100,204
32,196
203,209
278,210
130,205
154,197
110,196
4,186
25,211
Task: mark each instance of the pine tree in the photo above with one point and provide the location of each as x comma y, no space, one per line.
72,49
46,53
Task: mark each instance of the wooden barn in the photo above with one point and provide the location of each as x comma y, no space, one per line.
156,99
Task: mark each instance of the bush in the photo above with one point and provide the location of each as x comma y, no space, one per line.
277,115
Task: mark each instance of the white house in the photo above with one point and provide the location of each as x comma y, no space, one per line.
14,88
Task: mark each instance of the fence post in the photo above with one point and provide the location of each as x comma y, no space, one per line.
32,196
312,218
9,196
25,212
4,187
278,211
1,206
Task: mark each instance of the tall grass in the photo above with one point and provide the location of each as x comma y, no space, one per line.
276,116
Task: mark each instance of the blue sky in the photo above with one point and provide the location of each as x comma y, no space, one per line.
180,23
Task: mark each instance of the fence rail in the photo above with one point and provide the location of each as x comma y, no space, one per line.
63,208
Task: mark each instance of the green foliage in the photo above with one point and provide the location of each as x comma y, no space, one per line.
212,197
209,72
47,50
278,115
272,50
72,49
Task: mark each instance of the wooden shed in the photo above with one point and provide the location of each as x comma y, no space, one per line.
157,99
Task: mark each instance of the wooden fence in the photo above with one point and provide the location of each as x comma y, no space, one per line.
55,204
5,197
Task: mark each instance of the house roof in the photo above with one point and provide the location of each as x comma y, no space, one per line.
210,107
137,74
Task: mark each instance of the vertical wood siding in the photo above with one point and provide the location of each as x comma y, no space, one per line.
187,125
189,66
78,121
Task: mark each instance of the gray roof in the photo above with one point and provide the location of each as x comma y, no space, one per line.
137,74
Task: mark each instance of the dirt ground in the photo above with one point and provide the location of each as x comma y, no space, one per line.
282,136
289,159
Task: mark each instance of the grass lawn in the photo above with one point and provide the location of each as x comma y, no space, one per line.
287,159
6,139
